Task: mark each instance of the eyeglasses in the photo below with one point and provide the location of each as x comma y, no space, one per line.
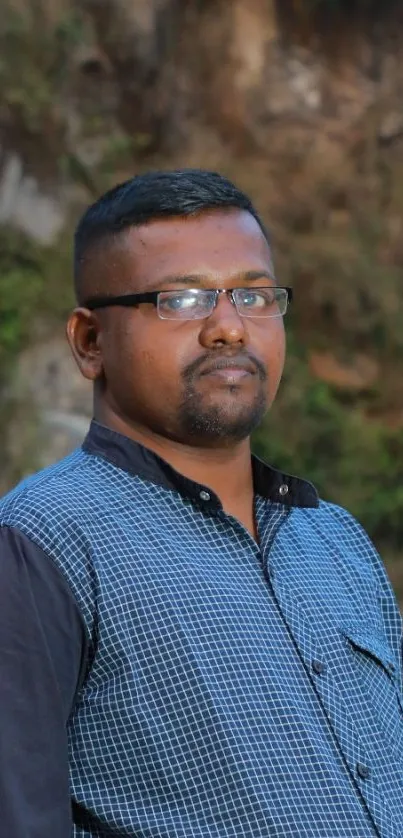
199,303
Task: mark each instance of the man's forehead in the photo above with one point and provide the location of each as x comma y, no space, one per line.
197,242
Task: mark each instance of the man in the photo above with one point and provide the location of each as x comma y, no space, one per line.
191,643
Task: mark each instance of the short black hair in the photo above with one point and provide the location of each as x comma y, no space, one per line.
153,195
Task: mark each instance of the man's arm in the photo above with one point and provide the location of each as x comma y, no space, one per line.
43,649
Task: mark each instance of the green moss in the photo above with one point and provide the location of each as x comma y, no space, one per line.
35,288
35,297
21,285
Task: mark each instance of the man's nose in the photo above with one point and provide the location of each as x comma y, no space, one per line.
224,325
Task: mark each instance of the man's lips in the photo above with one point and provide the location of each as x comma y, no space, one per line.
229,375
229,370
230,366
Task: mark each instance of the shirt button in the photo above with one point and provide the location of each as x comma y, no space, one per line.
283,490
204,495
363,771
318,667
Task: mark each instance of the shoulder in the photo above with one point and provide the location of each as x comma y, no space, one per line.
45,504
352,547
334,522
343,527
331,530
334,534
51,511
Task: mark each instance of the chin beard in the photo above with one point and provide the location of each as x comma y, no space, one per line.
215,426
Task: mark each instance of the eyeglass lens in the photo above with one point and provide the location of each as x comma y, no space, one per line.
194,304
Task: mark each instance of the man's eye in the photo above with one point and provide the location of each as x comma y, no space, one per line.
180,302
258,299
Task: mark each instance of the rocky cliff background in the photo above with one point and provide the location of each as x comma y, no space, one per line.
300,102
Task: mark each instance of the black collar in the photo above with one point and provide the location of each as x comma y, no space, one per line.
142,462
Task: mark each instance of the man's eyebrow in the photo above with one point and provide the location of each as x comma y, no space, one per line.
195,280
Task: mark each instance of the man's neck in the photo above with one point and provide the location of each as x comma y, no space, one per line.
226,471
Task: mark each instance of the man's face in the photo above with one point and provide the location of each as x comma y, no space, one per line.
156,372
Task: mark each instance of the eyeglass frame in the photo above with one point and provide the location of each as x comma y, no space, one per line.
134,300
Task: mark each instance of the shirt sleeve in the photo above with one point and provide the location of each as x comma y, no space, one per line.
43,653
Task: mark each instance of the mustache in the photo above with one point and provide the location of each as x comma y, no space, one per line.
220,361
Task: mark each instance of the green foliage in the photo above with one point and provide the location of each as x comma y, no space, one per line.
316,432
34,62
35,295
21,285
35,289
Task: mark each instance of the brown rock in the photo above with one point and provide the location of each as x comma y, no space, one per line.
360,373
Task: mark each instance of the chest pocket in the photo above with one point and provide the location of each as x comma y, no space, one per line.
378,666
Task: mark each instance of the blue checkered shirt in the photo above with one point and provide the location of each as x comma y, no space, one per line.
230,689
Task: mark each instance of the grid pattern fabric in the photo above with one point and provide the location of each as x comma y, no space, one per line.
236,690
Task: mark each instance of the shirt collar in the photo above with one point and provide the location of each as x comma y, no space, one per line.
140,461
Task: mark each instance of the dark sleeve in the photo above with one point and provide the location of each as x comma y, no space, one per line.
43,651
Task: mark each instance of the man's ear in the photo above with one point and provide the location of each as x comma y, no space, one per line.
83,335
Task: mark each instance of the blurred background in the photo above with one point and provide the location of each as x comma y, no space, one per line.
301,103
